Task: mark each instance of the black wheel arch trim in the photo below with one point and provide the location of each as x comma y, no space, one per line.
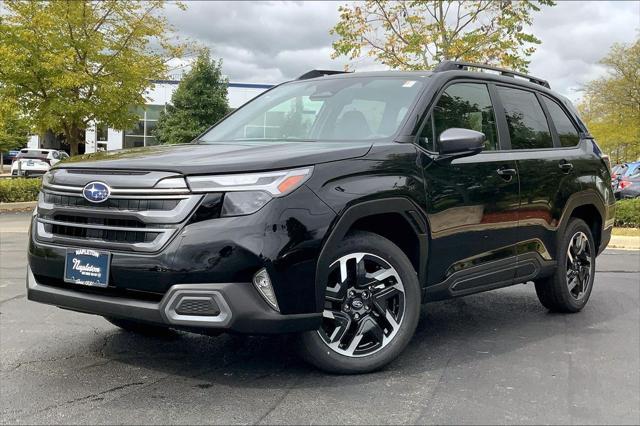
584,198
343,223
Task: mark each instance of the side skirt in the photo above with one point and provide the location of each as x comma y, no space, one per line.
491,275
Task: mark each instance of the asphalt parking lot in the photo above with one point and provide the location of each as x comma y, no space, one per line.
497,357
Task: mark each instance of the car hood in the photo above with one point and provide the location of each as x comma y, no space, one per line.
221,157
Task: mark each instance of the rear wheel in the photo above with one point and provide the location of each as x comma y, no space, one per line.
569,288
372,305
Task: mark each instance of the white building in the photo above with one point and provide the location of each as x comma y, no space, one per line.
99,138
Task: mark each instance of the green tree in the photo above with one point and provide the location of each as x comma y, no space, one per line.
417,34
199,101
14,126
73,62
611,104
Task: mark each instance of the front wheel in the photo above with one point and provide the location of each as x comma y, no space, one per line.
371,309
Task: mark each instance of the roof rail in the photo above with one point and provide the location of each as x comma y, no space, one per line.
464,66
319,73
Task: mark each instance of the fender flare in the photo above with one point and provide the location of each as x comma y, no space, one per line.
579,199
403,206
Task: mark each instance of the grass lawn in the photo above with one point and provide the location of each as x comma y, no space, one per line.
627,232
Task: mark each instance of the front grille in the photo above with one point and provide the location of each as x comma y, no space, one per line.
198,307
132,237
141,220
113,204
104,221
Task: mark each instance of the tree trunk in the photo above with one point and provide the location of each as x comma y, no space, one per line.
73,137
73,147
1,163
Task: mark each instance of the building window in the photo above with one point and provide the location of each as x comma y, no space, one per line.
102,132
142,133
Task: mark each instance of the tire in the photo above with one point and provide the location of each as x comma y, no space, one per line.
569,288
140,327
376,308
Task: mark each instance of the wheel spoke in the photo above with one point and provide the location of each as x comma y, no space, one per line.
582,243
570,253
584,275
342,323
383,274
355,341
381,297
573,282
368,326
361,280
337,291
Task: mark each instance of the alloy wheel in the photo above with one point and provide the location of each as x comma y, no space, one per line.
364,305
579,265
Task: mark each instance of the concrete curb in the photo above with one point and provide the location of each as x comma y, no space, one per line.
624,242
18,207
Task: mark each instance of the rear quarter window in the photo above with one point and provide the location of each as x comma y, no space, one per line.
567,132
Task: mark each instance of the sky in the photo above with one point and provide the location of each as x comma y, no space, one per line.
271,42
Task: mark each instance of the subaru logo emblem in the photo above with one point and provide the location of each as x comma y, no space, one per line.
96,192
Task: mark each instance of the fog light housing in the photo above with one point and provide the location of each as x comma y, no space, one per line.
262,282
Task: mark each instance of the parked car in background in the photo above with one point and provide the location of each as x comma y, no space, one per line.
35,162
8,157
629,185
624,180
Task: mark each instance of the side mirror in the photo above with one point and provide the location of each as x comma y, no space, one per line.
457,141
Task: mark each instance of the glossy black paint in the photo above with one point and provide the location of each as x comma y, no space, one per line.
197,159
468,224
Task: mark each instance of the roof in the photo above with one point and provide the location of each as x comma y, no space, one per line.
386,73
459,68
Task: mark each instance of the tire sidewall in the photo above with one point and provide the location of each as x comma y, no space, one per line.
318,353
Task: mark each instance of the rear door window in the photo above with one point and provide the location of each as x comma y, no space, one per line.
527,123
462,105
567,132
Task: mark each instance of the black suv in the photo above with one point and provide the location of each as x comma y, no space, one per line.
333,206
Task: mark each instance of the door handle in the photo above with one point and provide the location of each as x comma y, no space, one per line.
506,172
565,166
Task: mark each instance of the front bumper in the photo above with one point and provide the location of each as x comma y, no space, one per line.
241,309
284,237
29,172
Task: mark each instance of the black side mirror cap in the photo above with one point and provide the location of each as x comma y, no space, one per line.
456,141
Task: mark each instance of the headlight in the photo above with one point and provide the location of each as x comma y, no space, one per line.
248,193
277,183
47,178
244,202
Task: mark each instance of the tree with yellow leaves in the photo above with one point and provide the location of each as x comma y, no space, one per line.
611,104
68,63
417,34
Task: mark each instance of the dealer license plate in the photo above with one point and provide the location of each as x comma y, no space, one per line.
87,267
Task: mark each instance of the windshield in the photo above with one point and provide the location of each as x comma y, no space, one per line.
340,109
